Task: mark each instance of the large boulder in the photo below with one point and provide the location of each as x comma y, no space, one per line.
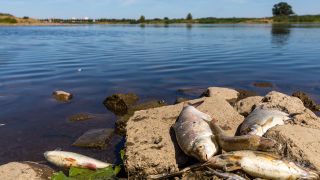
121,121
25,170
300,144
151,146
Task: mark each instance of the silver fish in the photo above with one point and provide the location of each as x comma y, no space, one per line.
194,134
261,120
68,159
261,165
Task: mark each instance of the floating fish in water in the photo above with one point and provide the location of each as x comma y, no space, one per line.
261,120
2,124
194,134
245,142
261,165
68,159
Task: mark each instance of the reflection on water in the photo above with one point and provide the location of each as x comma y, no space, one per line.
189,26
280,34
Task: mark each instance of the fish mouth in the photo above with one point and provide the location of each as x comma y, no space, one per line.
46,154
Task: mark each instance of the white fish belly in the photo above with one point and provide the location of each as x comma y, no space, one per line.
189,132
264,168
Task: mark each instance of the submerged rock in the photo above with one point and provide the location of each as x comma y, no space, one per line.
263,84
95,138
25,170
119,103
307,101
62,96
180,100
191,91
81,117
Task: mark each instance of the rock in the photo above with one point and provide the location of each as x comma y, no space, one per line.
246,93
25,170
307,101
62,96
191,91
221,92
300,144
180,100
151,147
291,105
122,120
263,84
245,106
81,117
95,138
120,103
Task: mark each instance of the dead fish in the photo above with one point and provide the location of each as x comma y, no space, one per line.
245,142
260,165
194,134
68,159
2,125
261,120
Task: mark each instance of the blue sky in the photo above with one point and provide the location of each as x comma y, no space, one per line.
150,8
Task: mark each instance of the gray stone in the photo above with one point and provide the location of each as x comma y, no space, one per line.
95,138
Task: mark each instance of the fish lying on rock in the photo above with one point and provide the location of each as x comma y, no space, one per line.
245,142
261,120
194,134
260,165
68,159
199,136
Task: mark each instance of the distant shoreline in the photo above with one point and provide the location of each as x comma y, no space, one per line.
9,20
146,24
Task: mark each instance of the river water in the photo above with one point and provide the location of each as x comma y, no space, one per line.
95,61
